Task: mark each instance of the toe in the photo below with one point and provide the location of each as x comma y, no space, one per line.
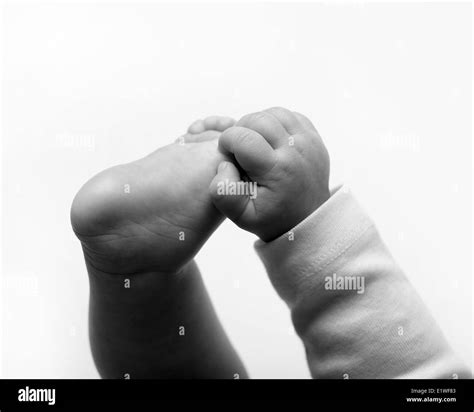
219,123
197,127
203,137
216,123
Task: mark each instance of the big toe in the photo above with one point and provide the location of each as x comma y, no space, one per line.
199,137
217,123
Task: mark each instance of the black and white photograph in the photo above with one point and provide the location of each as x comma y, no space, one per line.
273,192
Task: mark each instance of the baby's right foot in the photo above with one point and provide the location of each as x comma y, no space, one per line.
139,223
153,214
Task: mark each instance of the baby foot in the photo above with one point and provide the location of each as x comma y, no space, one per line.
155,213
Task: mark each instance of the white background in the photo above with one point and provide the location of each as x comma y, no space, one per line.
89,86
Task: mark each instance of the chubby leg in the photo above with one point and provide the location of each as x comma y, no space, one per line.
140,226
158,325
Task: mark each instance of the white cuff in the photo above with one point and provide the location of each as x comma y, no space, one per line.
298,256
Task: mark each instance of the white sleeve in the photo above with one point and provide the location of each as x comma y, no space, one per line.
355,311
